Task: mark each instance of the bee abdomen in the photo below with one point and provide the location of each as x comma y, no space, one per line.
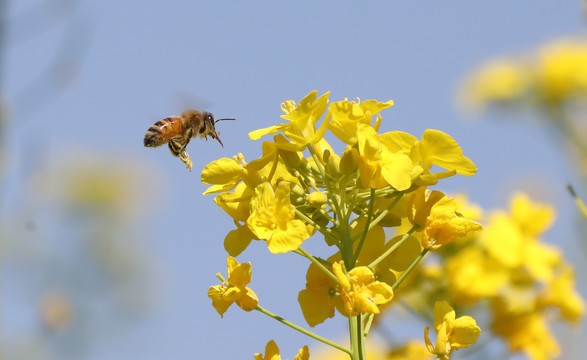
159,133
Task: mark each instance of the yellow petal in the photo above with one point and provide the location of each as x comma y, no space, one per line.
257,134
215,294
441,310
238,274
236,204
381,293
249,301
316,305
222,171
236,241
303,354
289,239
442,150
465,332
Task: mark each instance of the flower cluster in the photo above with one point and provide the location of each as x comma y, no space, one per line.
301,188
510,274
557,73
552,82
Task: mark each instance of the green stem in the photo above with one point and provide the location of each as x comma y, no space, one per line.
392,248
409,270
382,215
302,330
366,229
322,261
367,327
378,193
325,231
578,201
319,264
357,338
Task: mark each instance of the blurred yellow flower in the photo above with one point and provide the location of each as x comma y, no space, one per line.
557,72
512,239
272,353
273,218
360,292
412,350
235,289
497,80
453,333
527,332
561,72
561,293
473,275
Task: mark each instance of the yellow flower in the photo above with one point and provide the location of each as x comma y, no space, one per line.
301,129
420,204
237,204
440,149
272,353
435,148
375,245
235,289
561,293
473,275
527,332
381,165
273,218
531,218
225,174
562,70
497,80
512,239
443,224
412,350
318,300
360,292
347,116
453,333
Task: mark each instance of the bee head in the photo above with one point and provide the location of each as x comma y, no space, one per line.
211,126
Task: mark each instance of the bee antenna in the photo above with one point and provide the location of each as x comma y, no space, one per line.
217,120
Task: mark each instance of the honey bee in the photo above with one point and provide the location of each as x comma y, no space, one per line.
177,131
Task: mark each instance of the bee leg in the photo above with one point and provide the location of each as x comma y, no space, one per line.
177,148
176,145
183,156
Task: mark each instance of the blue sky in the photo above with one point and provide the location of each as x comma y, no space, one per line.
139,61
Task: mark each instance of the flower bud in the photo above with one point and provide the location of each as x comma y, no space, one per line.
317,199
332,163
297,195
349,162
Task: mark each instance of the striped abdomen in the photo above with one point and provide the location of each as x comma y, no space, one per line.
163,130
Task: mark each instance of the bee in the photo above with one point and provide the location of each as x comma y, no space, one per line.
177,131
